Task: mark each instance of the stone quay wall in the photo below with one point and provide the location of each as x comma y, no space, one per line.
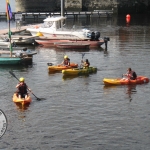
118,6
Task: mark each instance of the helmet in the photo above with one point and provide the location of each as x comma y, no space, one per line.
21,79
65,56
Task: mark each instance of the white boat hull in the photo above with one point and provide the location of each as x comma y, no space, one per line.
54,30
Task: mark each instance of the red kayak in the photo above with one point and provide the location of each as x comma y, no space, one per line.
124,81
61,67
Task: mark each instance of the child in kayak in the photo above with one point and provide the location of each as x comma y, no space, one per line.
22,88
85,63
66,61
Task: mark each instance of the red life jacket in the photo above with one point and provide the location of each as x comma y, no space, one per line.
66,61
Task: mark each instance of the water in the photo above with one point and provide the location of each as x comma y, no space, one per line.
81,113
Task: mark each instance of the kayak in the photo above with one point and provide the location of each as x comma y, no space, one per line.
124,81
78,71
61,67
23,101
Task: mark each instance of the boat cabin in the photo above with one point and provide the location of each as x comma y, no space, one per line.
53,22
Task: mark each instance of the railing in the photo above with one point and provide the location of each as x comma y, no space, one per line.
36,15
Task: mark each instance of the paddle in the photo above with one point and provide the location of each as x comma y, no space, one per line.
50,64
81,65
83,55
18,80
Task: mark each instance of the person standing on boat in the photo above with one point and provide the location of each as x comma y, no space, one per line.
22,88
66,61
85,63
131,74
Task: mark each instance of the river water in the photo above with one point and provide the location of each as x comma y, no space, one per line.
80,113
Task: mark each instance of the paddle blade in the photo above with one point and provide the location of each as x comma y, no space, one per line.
50,64
83,55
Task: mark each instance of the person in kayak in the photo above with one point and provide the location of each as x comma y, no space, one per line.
66,61
131,74
22,88
85,63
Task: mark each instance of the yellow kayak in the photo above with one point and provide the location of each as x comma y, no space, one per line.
78,71
23,101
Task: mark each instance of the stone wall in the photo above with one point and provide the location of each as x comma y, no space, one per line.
133,6
73,5
118,6
90,5
35,5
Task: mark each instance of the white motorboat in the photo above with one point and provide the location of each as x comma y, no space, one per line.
53,29
17,39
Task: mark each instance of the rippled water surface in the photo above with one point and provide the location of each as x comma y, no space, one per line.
80,112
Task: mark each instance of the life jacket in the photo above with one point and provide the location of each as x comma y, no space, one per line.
86,64
66,61
22,88
134,75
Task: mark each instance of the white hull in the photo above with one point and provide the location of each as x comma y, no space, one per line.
74,35
53,29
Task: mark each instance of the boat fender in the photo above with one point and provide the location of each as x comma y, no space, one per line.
39,34
36,27
18,54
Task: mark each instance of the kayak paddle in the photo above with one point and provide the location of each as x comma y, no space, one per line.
83,55
81,65
18,80
50,64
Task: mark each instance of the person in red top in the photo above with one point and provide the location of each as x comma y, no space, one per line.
66,61
131,74
22,88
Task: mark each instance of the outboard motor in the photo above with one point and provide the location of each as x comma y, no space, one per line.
97,35
92,36
6,40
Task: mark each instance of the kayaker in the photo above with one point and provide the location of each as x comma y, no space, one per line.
131,74
85,63
66,61
22,88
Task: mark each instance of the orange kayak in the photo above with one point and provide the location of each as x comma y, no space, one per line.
122,81
62,67
23,101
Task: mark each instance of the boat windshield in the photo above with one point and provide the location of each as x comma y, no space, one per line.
48,24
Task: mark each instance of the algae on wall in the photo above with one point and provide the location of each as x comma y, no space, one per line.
133,6
73,5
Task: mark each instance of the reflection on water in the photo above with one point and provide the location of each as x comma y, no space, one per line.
22,111
131,89
21,107
67,77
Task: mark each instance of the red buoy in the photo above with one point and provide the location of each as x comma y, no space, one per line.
128,17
